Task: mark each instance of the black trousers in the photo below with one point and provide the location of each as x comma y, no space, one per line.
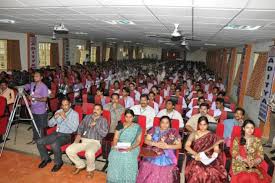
55,140
41,121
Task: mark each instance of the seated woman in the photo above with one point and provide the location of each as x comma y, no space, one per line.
163,140
123,164
247,154
203,142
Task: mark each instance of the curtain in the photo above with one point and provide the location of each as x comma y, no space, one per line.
54,58
256,80
13,55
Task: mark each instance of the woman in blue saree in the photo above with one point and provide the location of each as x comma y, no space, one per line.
164,140
123,164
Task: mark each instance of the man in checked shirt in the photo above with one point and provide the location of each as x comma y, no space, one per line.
90,132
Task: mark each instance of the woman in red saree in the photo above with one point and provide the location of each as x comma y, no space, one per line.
247,155
205,141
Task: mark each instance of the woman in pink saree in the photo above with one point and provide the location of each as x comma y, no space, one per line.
204,142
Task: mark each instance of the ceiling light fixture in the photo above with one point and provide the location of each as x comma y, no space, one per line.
7,21
80,33
210,44
127,41
120,22
242,27
111,38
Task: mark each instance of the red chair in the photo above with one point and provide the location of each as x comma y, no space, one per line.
54,104
71,96
178,108
107,99
87,108
226,99
97,99
3,115
157,98
79,110
85,98
174,123
151,104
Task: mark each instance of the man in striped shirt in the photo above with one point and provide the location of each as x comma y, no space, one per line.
90,132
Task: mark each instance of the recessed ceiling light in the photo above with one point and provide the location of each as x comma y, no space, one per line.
111,38
241,27
121,22
80,33
7,21
210,44
127,41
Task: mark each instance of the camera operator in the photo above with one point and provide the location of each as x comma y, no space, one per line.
38,97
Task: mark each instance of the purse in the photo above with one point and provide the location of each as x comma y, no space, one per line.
150,151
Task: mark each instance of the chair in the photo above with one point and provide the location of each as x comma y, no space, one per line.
174,123
4,119
85,98
54,104
87,108
226,115
231,106
267,164
178,108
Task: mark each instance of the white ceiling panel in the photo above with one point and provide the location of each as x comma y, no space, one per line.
121,2
251,22
220,3
40,3
258,14
11,3
141,10
207,20
173,11
168,3
264,4
59,10
71,3
95,10
215,13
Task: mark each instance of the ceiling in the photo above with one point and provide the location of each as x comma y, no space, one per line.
149,16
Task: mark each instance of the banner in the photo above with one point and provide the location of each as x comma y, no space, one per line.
267,90
33,51
66,52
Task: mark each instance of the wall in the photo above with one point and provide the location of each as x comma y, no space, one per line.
152,52
73,48
250,105
23,45
198,55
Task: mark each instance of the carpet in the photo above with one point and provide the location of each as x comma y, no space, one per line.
21,168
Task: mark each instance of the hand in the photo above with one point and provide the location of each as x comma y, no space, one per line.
30,98
197,157
129,149
63,115
163,145
56,115
93,124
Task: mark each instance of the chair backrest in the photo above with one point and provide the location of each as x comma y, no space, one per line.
220,130
157,98
97,99
3,105
195,111
178,108
79,110
107,99
212,126
85,98
54,104
106,114
88,108
174,123
195,102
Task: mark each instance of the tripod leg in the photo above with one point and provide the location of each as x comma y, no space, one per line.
17,99
30,113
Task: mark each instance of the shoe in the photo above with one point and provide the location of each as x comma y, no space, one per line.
56,167
77,170
272,152
267,145
44,163
90,175
31,142
273,158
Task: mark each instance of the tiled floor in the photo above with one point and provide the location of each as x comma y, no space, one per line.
24,136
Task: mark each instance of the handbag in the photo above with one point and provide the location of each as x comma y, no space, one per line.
150,151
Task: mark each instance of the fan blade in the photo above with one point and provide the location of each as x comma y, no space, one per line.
191,39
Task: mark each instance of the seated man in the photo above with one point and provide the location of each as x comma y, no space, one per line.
192,123
116,111
230,123
199,94
67,121
171,113
90,132
144,109
200,101
178,95
219,108
6,92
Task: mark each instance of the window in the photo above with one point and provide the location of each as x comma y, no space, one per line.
256,56
44,54
82,53
93,54
107,54
3,55
239,57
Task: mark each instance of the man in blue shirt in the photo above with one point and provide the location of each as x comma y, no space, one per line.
230,123
66,121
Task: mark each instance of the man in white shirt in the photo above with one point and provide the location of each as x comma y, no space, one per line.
200,101
171,113
133,89
144,109
219,108
127,100
220,84
199,94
